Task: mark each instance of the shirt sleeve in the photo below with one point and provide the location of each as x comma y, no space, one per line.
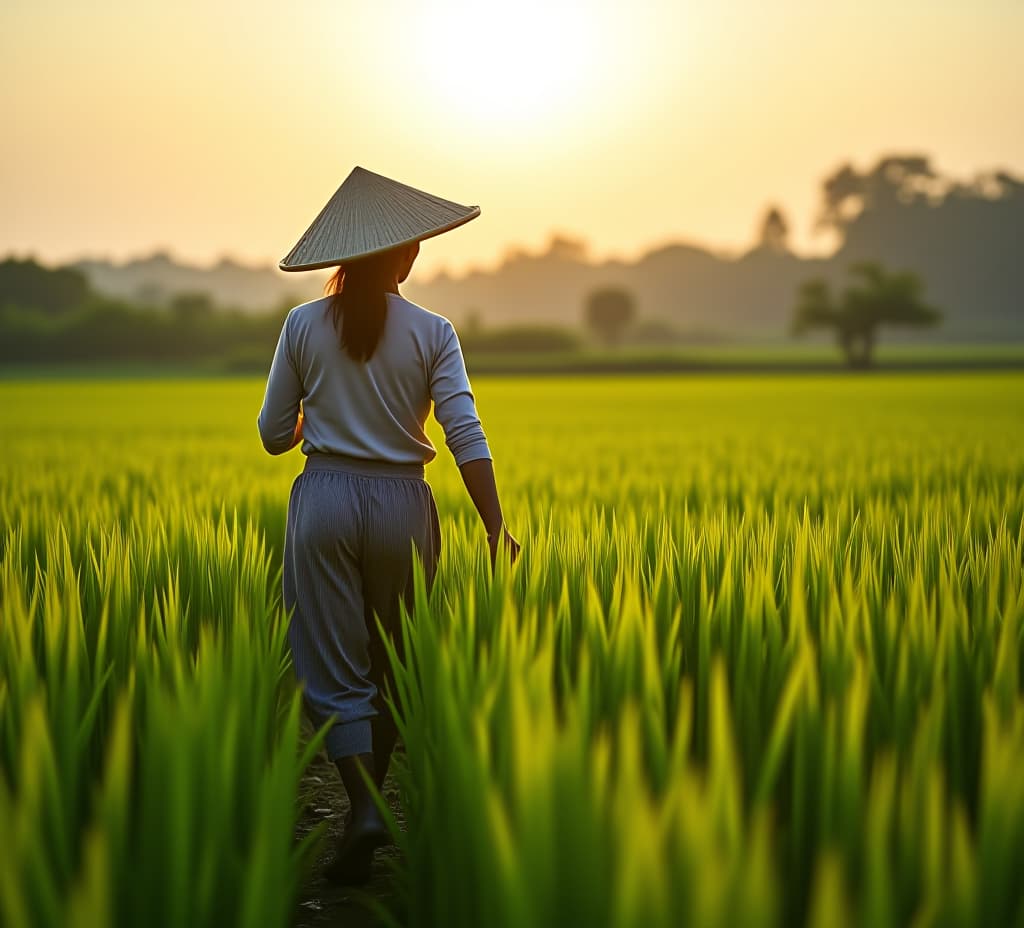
454,406
280,411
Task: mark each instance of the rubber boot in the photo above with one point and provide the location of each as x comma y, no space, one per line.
365,828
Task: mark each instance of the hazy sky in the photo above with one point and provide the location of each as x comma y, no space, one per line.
209,128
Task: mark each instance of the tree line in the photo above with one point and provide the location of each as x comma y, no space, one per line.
875,297
53,316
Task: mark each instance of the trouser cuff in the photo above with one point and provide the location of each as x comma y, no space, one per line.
348,738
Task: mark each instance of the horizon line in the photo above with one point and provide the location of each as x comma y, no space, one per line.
510,250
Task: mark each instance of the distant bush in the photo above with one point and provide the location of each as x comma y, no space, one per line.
660,333
518,339
52,316
25,334
110,330
246,359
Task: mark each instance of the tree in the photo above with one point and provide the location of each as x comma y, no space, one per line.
775,231
29,285
608,311
894,180
192,306
878,297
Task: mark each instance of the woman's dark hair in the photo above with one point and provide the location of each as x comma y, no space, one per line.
359,302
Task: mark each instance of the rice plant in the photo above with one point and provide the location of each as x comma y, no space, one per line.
760,661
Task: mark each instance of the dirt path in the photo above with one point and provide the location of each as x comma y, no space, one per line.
321,903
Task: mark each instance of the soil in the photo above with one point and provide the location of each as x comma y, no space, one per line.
321,903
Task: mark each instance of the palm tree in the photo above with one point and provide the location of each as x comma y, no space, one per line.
877,297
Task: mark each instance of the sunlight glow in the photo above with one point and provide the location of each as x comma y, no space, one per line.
507,66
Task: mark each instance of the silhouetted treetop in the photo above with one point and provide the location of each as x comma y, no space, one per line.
774,231
567,249
902,180
893,180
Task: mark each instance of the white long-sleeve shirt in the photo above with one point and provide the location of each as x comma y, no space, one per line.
374,409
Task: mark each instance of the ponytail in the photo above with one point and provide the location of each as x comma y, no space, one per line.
359,304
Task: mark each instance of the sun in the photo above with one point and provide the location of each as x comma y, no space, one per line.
511,64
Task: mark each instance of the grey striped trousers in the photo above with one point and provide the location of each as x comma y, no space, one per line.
348,554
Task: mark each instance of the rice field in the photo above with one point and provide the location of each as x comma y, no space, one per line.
760,663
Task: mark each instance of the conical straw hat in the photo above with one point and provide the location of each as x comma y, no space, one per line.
370,213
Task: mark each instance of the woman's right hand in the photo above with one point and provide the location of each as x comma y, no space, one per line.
478,475
503,539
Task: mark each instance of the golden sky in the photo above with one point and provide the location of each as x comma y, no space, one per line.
212,128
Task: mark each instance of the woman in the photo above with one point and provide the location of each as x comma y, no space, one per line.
352,379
